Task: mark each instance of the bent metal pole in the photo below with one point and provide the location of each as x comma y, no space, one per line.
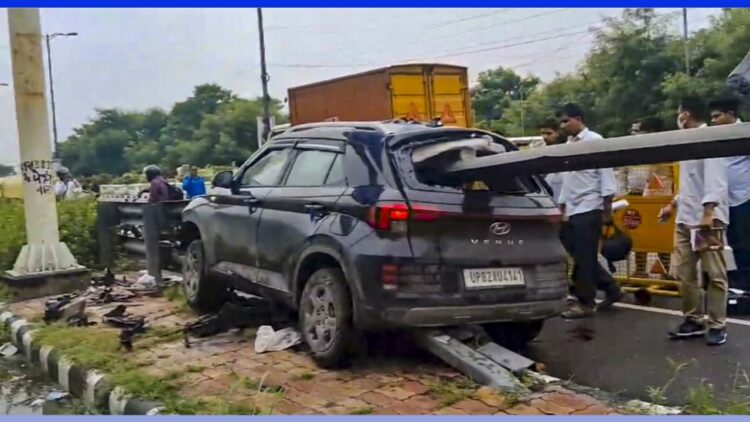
43,252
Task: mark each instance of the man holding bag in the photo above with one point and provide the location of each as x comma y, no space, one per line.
586,203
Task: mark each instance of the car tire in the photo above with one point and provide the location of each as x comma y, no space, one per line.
202,292
325,317
514,335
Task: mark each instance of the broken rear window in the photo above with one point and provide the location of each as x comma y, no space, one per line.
430,158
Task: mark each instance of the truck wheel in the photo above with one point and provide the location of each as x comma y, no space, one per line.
325,317
514,335
202,292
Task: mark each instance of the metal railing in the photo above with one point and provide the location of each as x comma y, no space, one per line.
147,232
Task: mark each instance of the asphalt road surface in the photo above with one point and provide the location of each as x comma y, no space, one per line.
626,351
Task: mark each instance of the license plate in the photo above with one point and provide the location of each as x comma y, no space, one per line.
493,277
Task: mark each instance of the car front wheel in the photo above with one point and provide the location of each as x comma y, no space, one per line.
326,317
202,292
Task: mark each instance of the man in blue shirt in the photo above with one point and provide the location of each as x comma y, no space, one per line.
586,203
724,112
194,185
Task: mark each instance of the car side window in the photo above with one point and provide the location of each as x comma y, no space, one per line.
267,171
311,168
336,173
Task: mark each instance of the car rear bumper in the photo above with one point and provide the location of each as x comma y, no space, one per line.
438,316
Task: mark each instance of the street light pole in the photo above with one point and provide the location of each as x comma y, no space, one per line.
47,39
264,77
685,41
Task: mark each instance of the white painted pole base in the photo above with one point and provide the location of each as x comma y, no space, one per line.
44,258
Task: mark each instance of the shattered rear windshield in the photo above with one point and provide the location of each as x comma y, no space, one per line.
430,158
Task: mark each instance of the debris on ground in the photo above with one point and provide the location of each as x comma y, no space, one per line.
37,403
116,292
8,349
105,280
64,307
130,325
57,395
119,318
268,340
145,282
80,321
240,313
642,407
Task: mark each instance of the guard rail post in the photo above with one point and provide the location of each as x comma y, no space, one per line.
152,219
107,218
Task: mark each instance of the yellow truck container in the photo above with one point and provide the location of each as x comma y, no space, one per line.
420,92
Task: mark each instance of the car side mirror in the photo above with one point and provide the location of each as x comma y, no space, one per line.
223,179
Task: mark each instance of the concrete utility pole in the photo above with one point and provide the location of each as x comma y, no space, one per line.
44,256
264,77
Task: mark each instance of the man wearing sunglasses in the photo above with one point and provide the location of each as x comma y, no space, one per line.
724,111
586,204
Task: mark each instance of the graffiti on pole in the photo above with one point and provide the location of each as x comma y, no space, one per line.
39,174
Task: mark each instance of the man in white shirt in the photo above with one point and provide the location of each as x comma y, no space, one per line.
66,187
703,202
586,204
550,132
724,111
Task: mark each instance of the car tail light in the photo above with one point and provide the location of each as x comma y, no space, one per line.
382,216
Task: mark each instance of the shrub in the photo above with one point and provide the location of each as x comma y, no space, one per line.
77,220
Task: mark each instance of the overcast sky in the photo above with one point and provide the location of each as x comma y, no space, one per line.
140,58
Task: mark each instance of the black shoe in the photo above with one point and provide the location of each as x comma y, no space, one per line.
609,301
716,336
688,329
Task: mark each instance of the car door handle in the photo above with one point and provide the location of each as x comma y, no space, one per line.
251,201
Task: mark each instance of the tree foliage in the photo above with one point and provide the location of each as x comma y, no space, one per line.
635,69
6,170
212,127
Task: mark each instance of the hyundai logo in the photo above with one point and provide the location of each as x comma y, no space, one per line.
500,228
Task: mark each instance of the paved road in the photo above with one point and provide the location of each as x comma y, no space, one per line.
626,350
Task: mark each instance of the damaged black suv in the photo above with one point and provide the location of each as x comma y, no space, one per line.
355,227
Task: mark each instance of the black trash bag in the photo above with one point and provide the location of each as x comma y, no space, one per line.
616,244
739,80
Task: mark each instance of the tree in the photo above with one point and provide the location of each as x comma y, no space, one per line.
6,170
496,91
212,127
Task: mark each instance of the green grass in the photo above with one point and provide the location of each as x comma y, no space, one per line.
6,294
100,349
174,294
450,392
701,399
307,376
363,411
4,334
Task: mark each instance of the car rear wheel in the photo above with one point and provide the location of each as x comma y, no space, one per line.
514,335
202,292
326,317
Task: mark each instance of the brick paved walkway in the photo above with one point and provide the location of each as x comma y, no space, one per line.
226,368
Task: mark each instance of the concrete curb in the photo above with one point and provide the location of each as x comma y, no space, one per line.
93,387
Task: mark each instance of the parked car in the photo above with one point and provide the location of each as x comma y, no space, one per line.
354,227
